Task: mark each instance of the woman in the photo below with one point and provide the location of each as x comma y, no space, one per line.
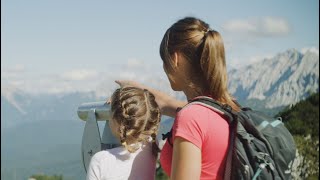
135,118
194,60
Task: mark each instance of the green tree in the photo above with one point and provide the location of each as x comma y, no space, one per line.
46,177
302,120
160,175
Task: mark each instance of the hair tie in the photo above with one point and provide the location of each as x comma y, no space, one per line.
206,34
154,137
209,29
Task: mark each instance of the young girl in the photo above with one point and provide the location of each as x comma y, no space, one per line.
135,117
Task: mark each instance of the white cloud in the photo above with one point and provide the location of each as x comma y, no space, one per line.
12,72
274,26
311,49
228,44
7,74
240,26
78,80
31,82
237,63
257,58
79,74
18,68
134,63
233,63
259,27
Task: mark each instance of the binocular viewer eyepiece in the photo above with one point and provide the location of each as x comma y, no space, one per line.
102,110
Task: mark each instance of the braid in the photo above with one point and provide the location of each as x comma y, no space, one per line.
153,122
123,133
137,115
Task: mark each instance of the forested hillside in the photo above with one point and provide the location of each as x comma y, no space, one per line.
302,120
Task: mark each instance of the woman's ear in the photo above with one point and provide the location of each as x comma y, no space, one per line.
176,58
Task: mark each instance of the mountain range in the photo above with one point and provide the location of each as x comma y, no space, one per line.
42,133
276,82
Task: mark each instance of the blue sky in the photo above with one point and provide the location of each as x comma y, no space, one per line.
71,40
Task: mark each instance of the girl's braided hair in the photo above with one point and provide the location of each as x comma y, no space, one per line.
138,116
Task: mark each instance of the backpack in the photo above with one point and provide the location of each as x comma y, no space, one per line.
260,147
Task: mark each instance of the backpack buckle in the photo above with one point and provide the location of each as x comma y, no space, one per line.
264,160
167,135
227,107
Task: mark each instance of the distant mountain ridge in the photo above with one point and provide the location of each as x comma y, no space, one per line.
22,108
275,82
51,119
282,80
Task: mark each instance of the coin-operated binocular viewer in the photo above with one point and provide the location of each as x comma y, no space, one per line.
92,142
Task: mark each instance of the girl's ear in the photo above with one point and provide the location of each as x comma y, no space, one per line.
109,100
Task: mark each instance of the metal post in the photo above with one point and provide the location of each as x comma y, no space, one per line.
91,140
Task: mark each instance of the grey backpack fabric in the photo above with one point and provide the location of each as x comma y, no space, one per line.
260,147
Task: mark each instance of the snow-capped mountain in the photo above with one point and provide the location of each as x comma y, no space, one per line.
279,81
275,82
14,97
18,107
48,123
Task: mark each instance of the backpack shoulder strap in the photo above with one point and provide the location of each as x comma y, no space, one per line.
224,110
206,102
231,117
228,115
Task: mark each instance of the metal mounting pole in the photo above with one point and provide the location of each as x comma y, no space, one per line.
91,140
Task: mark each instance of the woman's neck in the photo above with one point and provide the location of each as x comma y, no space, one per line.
193,90
190,94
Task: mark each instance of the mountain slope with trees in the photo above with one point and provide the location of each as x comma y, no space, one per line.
302,120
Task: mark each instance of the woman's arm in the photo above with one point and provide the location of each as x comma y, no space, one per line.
186,160
167,104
